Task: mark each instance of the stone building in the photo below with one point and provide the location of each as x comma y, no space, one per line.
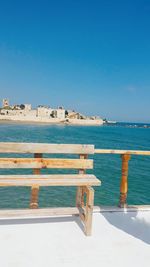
44,112
60,113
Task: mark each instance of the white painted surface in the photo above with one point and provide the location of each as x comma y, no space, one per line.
119,239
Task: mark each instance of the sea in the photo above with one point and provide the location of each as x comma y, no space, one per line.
107,168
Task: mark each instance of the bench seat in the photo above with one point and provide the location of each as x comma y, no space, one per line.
49,180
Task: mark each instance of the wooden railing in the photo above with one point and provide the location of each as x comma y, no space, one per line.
126,156
39,163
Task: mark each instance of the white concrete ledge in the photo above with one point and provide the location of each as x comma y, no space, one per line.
48,212
118,239
118,209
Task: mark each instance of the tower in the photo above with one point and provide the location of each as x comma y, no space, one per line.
5,103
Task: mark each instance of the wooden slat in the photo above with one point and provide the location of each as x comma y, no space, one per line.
40,163
46,148
36,213
121,152
49,180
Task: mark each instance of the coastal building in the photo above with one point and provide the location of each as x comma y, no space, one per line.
73,114
43,111
18,112
60,113
27,107
24,112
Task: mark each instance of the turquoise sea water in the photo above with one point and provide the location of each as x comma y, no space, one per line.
107,167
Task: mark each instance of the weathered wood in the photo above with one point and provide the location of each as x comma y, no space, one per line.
122,152
43,163
35,188
89,210
124,180
49,180
79,197
80,193
45,148
82,180
37,213
34,197
46,176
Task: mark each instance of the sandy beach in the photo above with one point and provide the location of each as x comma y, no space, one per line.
28,122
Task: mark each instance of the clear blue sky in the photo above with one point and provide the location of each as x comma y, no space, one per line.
92,56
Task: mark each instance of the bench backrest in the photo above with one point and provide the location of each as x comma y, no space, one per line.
38,162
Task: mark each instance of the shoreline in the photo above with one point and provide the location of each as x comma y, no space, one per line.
48,121
25,122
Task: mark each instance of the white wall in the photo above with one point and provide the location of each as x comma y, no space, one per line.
60,114
44,112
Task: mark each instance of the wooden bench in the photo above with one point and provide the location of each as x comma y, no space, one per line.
83,181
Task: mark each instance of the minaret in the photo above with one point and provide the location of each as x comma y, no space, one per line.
5,103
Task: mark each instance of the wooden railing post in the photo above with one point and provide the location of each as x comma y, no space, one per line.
124,181
35,189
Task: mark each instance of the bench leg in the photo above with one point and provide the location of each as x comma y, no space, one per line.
80,202
80,197
34,197
89,210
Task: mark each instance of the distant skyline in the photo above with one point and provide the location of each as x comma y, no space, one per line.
90,56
